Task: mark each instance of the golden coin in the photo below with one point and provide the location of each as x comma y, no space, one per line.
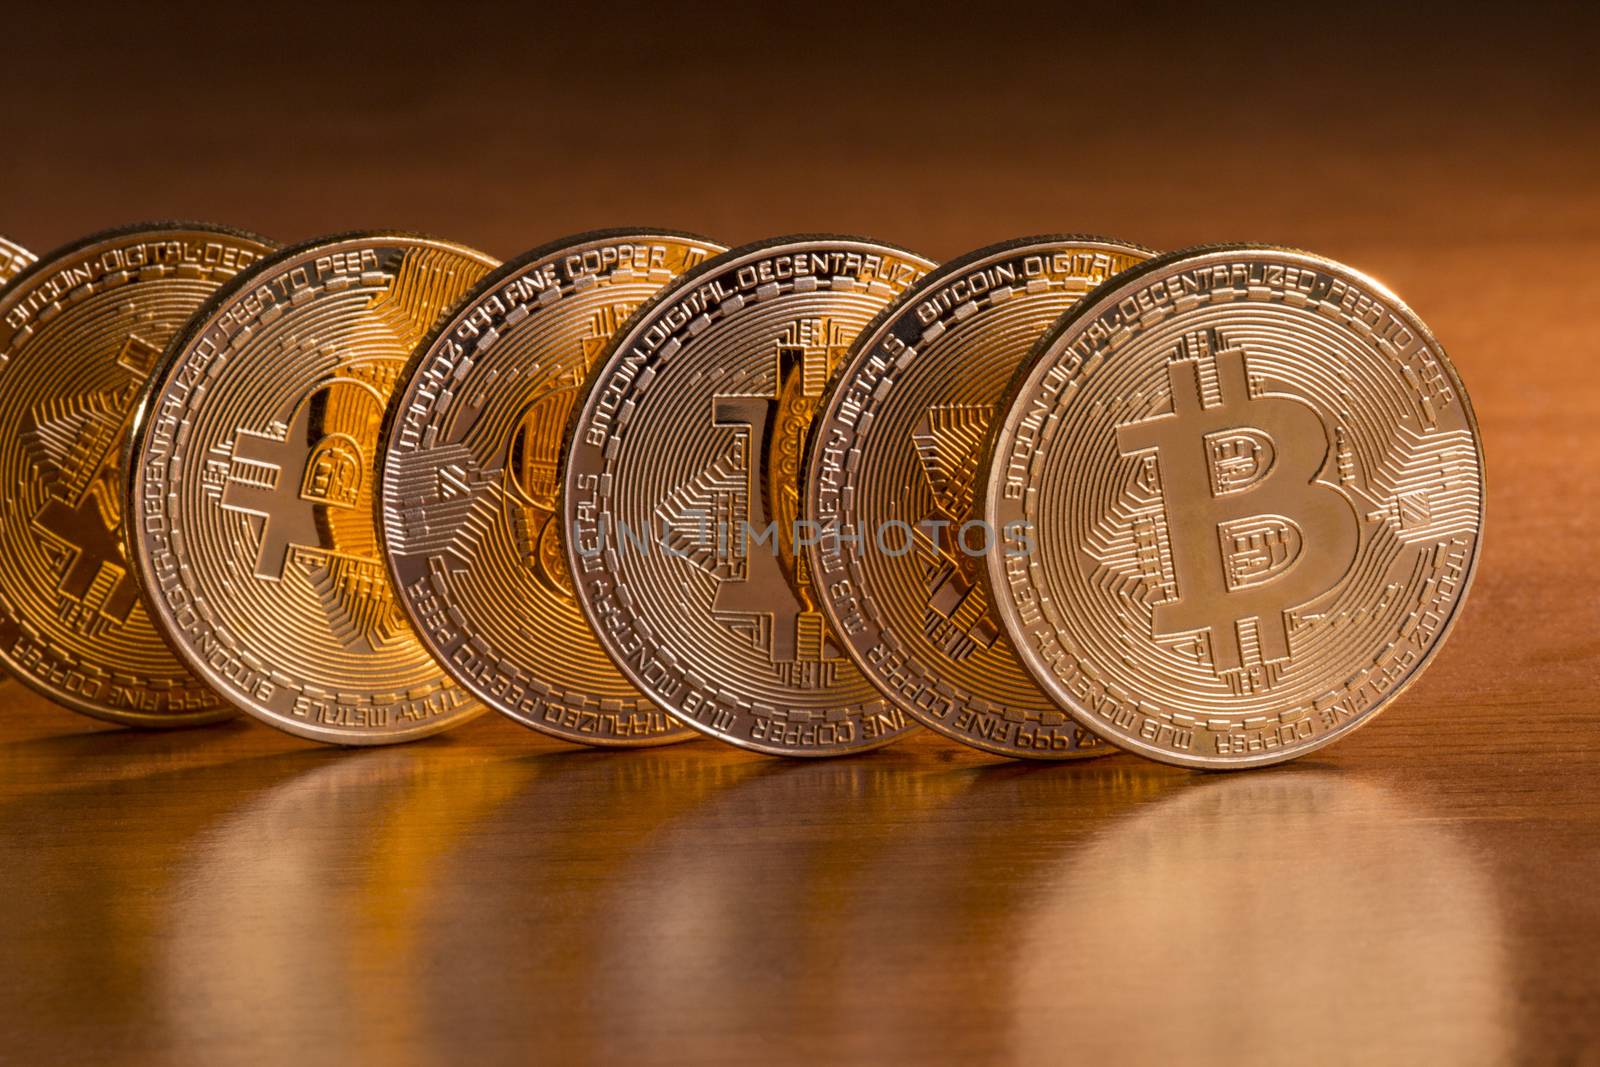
681,496
252,482
1248,487
469,495
891,479
14,259
80,332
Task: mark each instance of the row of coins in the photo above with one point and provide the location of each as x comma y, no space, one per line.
1216,507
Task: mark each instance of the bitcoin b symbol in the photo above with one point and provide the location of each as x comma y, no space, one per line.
308,496
1253,533
776,584
80,442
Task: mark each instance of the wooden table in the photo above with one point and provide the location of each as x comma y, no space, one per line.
1426,891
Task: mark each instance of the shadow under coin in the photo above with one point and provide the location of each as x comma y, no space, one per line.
106,753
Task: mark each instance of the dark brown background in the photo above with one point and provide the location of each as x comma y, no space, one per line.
1424,891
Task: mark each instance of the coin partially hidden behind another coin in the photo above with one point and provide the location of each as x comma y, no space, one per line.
253,471
1254,486
14,259
80,333
681,494
893,460
469,487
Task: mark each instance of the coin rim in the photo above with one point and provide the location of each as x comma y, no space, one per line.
1089,306
393,411
810,457
223,710
575,420
21,252
132,483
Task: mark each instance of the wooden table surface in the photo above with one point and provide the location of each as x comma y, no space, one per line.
1427,891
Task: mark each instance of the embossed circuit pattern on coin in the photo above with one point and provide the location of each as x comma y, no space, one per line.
253,470
80,333
14,259
469,492
682,497
892,462
1254,483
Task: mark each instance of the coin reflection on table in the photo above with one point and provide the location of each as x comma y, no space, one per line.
759,923
82,950
909,905
335,870
586,931
1374,898
418,865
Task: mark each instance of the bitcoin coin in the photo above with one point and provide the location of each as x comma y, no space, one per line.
80,332
468,491
14,259
252,486
891,481
681,496
1252,483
